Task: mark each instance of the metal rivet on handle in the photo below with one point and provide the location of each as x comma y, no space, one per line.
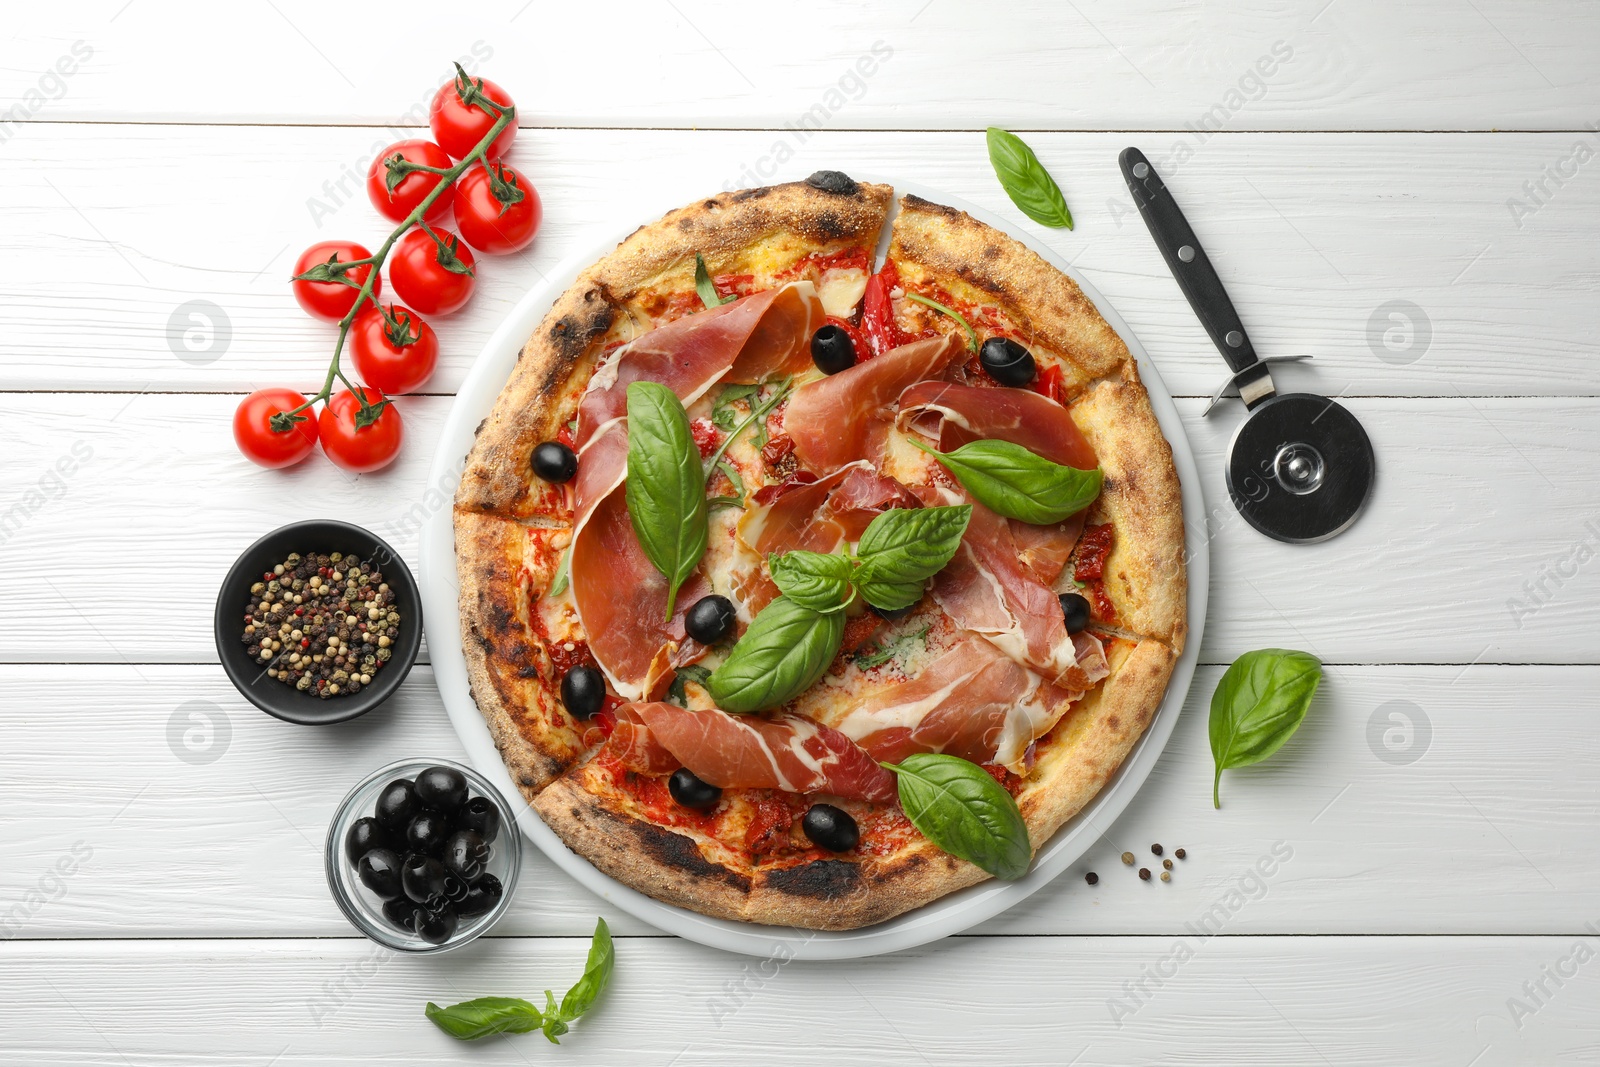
1234,338
1141,170
1186,253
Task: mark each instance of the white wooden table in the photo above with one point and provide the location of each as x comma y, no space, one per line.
1411,195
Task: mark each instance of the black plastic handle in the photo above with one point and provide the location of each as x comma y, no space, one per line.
1187,261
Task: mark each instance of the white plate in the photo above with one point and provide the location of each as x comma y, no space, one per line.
946,916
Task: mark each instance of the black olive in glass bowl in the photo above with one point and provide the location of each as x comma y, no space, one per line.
402,912
363,836
481,815
396,805
1007,361
583,691
554,462
442,788
832,350
422,877
710,619
691,792
831,828
379,871
467,854
1075,610
437,925
480,898
428,832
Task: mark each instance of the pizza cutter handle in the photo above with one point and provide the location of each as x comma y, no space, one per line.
1194,273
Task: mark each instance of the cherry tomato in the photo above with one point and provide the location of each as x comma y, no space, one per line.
329,294
433,279
360,448
402,199
499,212
260,443
460,121
394,353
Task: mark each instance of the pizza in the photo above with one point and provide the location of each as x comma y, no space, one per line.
723,567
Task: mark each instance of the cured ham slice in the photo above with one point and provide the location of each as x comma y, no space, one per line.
846,416
954,414
785,752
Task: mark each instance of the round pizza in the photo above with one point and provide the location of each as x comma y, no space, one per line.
804,588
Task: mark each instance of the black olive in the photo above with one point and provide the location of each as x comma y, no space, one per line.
481,815
363,836
1075,609
1007,362
554,461
442,788
710,619
833,181
402,911
830,828
481,898
422,877
427,832
455,889
467,854
832,350
437,925
396,804
691,792
583,690
379,871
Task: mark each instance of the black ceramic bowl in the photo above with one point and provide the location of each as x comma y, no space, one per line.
283,700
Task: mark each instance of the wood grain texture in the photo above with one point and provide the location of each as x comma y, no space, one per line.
1315,236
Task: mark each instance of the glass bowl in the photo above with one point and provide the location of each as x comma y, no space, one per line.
364,908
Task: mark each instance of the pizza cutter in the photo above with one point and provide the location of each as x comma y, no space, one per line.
1300,467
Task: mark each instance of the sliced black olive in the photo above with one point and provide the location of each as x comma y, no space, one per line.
832,350
831,828
427,832
583,690
1007,362
691,792
379,871
554,461
442,788
467,854
1075,609
437,925
363,836
396,804
422,877
481,898
710,619
481,815
402,911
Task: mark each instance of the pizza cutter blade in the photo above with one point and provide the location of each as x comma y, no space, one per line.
1300,467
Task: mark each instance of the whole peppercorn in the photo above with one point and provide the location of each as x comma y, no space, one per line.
1179,853
1144,874
1166,865
1166,876
1156,849
1092,878
1127,859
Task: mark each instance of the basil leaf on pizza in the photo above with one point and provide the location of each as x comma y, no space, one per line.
902,548
1257,706
1025,180
666,485
705,287
786,649
812,579
1019,484
959,806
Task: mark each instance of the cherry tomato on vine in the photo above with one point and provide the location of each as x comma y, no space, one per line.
433,276
322,287
395,351
395,193
497,211
460,121
352,445
260,443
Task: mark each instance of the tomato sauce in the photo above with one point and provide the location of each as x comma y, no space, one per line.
706,436
1093,548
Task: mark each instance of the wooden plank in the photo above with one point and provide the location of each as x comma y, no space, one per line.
1476,547
1317,237
1416,800
1290,1001
1151,64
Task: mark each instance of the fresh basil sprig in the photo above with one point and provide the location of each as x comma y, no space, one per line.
666,486
1025,180
959,806
1017,483
786,648
902,548
812,579
473,1019
706,287
1258,705
691,672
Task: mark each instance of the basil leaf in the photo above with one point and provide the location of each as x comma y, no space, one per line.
972,335
812,580
666,486
554,1025
705,286
596,974
785,650
694,672
487,1015
889,650
1016,483
1258,705
961,808
901,549
558,584
1025,180
723,414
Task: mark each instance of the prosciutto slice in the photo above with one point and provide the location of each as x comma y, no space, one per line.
954,414
620,598
846,416
785,752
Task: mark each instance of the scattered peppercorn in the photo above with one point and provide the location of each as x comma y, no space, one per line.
324,624
1179,853
1156,849
1144,874
1166,865
1166,876
1127,858
1092,878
